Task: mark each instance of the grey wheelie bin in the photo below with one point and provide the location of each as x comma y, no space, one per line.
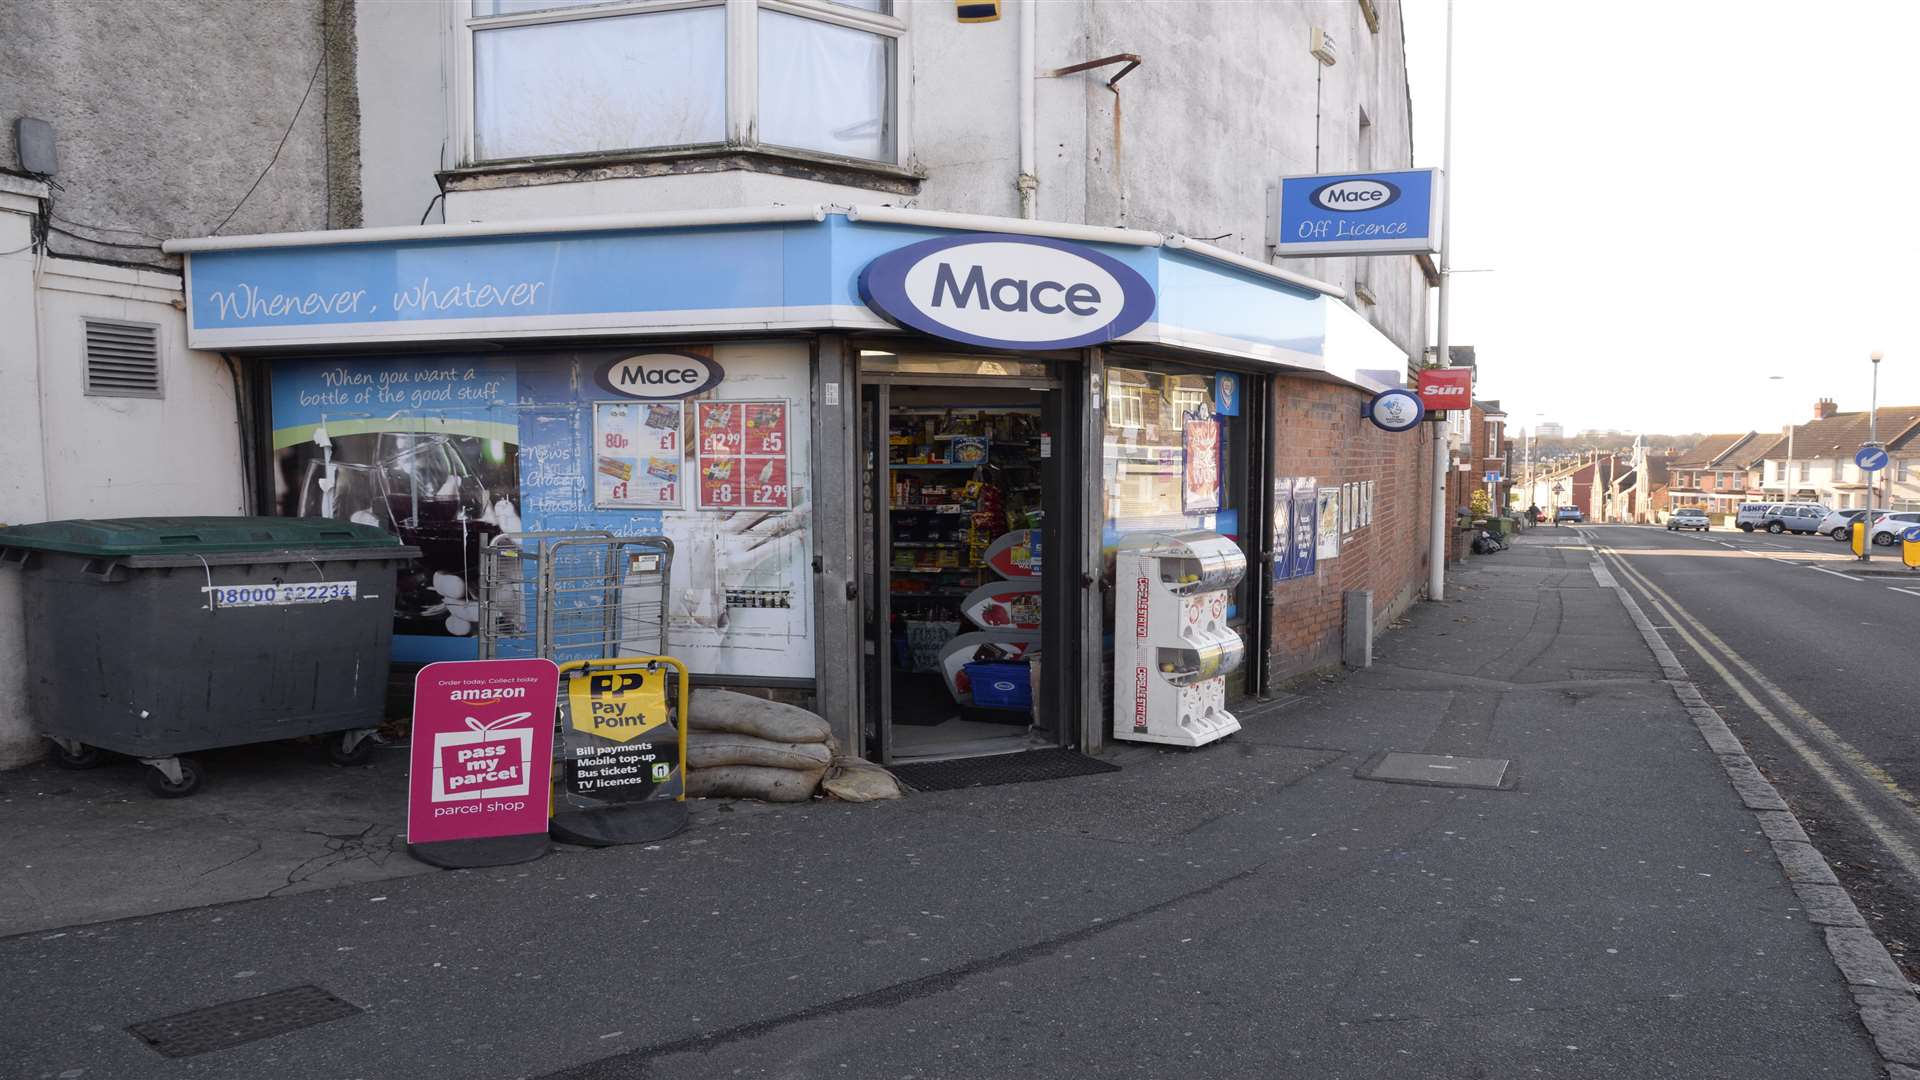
159,637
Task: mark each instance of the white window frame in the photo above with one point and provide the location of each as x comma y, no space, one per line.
742,76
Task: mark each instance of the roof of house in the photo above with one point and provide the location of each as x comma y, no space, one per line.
1760,449
1841,434
1710,450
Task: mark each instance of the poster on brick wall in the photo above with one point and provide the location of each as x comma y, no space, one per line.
1328,517
1282,528
1304,543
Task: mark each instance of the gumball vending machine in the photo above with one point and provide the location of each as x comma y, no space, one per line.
1170,666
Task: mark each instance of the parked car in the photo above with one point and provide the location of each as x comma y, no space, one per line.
1782,517
1751,516
1887,528
1568,513
1689,517
1839,524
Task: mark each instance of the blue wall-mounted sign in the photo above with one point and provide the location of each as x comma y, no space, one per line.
1493,476
1226,394
1381,213
1871,459
1396,409
1007,292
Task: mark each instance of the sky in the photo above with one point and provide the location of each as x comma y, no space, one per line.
1676,200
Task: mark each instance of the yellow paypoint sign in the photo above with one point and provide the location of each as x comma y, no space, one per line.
617,705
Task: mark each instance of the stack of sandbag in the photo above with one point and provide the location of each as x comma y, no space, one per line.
743,747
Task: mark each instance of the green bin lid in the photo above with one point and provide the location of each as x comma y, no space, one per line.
112,537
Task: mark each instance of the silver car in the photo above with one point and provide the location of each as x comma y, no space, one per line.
1839,524
1689,517
1889,528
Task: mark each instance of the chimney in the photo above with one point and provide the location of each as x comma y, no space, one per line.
1824,408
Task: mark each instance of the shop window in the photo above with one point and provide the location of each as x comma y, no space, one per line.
553,78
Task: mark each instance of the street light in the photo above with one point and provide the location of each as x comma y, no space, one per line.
1786,490
1873,439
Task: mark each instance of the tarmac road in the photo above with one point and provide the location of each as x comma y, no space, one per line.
1817,668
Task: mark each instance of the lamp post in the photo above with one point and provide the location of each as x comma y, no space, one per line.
1873,439
1442,513
1786,480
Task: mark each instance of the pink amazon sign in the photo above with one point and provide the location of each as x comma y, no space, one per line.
482,749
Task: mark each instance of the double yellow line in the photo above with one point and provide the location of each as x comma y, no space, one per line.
1841,767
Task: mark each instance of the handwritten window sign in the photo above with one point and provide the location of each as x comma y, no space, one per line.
638,455
482,754
742,455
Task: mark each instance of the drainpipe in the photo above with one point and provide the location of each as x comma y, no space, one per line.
1028,182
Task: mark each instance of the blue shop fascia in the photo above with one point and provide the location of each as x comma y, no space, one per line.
869,433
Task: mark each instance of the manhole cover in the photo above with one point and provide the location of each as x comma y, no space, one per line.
1439,770
218,1027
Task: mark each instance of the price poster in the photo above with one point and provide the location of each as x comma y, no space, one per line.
638,455
742,455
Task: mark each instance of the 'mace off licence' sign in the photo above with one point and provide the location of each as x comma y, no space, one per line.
482,761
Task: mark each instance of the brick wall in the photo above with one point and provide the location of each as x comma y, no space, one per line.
1319,433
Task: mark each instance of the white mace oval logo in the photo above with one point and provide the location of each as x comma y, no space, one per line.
1349,196
1008,291
660,375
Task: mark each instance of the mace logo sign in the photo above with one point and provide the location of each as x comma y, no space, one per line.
1012,292
661,375
1387,213
1446,388
1352,196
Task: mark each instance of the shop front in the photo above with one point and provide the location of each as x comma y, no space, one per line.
893,454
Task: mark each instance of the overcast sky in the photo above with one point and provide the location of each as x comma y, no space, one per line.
1677,200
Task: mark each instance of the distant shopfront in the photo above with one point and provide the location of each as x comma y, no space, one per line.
885,451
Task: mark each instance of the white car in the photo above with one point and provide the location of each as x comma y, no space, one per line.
1839,524
1888,528
1689,517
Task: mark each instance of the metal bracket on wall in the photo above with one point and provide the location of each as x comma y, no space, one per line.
1131,60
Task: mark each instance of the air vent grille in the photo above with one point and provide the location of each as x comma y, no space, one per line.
123,359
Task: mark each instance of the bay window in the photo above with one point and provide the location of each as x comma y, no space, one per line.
560,78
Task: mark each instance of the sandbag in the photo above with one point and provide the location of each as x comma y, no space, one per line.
754,782
853,780
743,714
712,749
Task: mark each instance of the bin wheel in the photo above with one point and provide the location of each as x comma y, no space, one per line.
87,758
361,753
158,783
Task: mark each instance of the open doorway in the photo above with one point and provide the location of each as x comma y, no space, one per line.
967,649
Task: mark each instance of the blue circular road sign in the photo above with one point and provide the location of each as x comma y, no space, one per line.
1871,458
1912,535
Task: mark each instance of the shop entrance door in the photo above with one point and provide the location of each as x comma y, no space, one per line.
968,585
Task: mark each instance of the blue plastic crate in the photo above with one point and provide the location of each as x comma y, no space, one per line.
1001,686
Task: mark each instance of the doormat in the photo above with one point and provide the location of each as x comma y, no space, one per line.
218,1027
1022,768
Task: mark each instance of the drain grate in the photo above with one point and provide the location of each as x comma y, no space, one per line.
218,1027
1437,770
1019,768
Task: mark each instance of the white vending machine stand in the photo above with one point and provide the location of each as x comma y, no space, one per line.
1169,670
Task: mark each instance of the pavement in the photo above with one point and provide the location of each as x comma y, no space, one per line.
1252,908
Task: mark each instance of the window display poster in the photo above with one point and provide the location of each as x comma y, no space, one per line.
1200,484
637,454
1366,503
425,447
741,594
1328,546
742,455
1349,506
